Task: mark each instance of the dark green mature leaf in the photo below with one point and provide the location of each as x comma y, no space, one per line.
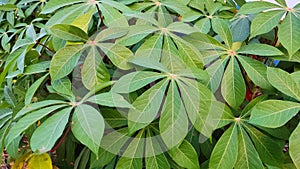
69,33
132,157
110,99
29,120
146,107
88,126
225,152
233,86
265,22
256,71
185,155
222,29
294,149
173,122
283,81
248,157
269,149
64,61
136,80
45,136
288,31
155,159
257,7
33,88
273,113
260,49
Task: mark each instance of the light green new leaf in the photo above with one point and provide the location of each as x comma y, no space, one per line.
132,157
203,25
222,29
233,86
225,152
257,7
155,159
203,41
64,61
173,122
152,47
29,120
46,135
111,33
63,86
215,72
294,149
146,107
269,149
94,71
83,21
51,6
185,155
288,33
69,33
118,55
136,80
110,99
248,157
273,113
88,126
256,71
283,81
260,49
265,22
112,17
33,88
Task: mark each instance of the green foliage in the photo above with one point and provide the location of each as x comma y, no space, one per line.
149,84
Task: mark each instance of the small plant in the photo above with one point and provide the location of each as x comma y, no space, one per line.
149,84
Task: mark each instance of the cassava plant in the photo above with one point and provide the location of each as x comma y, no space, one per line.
149,84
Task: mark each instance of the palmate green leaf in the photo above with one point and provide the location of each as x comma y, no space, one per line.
248,157
185,155
149,63
45,136
273,113
110,99
114,141
118,55
215,72
94,71
283,81
257,7
265,22
29,120
155,159
35,106
69,33
8,7
136,33
146,107
111,33
260,49
225,152
173,122
9,97
63,86
51,6
152,47
288,31
83,21
64,61
5,115
203,41
181,27
112,17
233,86
203,25
269,149
256,71
132,157
294,149
136,80
240,29
88,126
222,29
33,88
281,2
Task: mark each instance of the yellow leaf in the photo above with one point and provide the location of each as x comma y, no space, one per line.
83,21
19,163
42,161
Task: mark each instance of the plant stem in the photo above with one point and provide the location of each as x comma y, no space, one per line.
39,43
63,138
